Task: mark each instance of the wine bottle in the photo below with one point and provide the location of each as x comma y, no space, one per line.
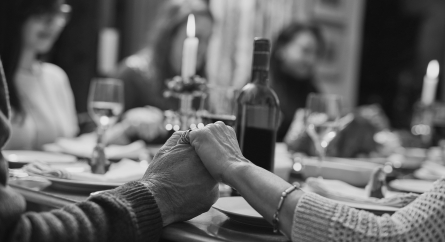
258,111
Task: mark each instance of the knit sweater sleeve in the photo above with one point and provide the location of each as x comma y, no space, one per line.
127,213
320,219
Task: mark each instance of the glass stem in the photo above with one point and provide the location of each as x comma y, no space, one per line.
321,158
100,134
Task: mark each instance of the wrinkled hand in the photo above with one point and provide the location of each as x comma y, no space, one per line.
145,123
182,186
218,148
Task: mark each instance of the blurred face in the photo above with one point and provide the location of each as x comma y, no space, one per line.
300,55
40,31
204,27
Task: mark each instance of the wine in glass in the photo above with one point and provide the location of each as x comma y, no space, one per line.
322,121
105,104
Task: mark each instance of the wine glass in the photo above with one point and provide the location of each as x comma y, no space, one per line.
322,121
105,104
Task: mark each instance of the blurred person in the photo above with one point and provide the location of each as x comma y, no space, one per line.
144,73
306,216
295,54
175,187
42,101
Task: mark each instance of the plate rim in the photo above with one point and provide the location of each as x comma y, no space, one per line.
234,213
361,206
67,156
391,184
87,183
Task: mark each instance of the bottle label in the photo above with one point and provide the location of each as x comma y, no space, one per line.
261,117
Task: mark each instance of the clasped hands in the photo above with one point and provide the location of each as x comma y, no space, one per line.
184,174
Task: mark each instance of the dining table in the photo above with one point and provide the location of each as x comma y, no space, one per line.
212,225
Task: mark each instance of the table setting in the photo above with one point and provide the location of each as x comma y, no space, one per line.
351,157
71,169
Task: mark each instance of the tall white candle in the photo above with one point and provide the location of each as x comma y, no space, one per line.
430,83
190,50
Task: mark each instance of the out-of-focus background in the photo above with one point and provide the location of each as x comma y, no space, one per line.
377,51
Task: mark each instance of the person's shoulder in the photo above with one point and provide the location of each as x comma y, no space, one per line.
55,75
54,72
52,68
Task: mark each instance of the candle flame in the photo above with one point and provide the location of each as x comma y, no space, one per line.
433,69
191,26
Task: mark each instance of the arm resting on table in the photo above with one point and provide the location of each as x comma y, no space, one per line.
127,213
320,219
310,217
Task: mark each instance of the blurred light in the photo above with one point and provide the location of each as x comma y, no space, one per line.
381,137
421,129
201,125
433,69
387,169
297,166
324,144
193,126
12,157
104,120
397,164
176,127
169,127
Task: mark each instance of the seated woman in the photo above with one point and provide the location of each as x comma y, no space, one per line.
294,56
307,216
41,97
144,73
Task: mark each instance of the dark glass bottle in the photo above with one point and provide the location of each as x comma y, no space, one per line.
258,111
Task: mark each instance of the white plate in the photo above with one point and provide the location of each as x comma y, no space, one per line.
237,209
353,172
86,187
411,185
23,157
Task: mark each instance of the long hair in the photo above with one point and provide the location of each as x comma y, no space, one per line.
172,17
286,36
13,14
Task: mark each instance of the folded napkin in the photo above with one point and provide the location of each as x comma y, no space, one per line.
341,191
430,171
83,147
123,171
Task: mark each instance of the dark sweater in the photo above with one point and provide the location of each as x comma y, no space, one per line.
127,213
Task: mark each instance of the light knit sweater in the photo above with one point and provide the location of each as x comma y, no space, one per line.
319,219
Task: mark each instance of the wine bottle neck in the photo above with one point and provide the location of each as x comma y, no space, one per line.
260,77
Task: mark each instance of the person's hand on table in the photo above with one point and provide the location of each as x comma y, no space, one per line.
218,148
182,186
144,123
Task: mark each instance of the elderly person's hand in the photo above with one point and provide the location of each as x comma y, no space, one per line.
182,186
218,148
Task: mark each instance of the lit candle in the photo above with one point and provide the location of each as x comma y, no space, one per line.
430,83
190,49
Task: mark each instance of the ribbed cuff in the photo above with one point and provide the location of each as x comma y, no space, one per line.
312,218
144,207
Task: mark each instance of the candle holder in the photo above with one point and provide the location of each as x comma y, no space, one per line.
185,89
